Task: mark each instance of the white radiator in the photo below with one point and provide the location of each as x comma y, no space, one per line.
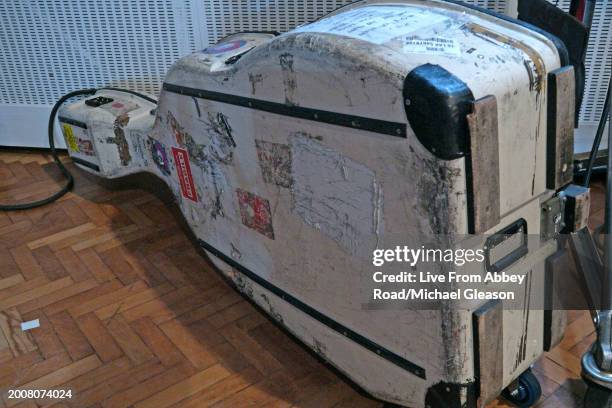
51,47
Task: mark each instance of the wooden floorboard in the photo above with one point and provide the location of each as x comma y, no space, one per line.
131,314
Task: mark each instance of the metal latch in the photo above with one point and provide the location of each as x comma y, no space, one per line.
552,222
567,211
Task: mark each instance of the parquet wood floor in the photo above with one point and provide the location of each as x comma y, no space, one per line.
131,314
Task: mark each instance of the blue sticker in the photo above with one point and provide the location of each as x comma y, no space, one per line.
225,47
160,157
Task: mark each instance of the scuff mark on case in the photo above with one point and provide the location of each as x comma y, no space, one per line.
289,80
435,186
184,139
319,347
534,65
243,284
235,251
276,315
141,149
222,143
522,349
197,106
275,163
323,180
378,209
216,178
254,79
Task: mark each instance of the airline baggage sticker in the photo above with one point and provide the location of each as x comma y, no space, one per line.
183,169
431,45
376,24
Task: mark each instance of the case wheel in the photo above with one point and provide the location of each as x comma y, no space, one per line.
597,396
526,392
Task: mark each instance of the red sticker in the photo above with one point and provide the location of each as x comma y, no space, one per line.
255,212
181,160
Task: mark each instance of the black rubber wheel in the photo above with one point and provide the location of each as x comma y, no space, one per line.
527,393
597,397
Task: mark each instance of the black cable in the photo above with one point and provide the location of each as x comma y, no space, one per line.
145,97
598,136
64,170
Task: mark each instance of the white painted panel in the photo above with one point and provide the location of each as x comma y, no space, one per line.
26,125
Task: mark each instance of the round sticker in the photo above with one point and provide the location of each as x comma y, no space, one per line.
225,47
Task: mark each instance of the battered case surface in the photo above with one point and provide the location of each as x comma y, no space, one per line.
293,157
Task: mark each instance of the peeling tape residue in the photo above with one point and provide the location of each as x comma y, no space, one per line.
120,140
275,163
335,195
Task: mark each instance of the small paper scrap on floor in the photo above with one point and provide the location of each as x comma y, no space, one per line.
32,324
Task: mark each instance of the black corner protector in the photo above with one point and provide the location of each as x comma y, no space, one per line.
449,395
437,103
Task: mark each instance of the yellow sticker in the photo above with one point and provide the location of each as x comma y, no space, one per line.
70,139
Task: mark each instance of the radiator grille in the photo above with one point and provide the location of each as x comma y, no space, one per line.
599,57
51,47
54,46
227,17
495,5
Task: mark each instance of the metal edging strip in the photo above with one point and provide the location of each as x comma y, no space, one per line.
356,122
85,163
73,122
320,317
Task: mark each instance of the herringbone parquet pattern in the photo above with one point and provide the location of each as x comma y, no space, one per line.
132,314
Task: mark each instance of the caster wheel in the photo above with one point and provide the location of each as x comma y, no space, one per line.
597,397
527,392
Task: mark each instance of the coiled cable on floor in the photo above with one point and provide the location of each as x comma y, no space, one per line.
69,179
58,162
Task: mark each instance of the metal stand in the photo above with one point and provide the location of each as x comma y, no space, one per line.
597,362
